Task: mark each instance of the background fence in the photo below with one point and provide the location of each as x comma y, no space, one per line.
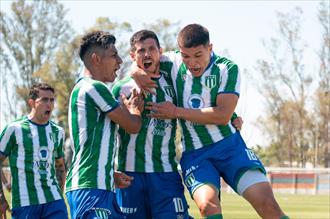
296,180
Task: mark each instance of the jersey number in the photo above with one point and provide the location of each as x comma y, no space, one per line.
251,154
178,204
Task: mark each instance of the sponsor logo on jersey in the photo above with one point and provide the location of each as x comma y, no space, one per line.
128,210
195,101
210,81
101,213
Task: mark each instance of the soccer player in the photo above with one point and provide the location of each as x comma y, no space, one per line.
93,115
207,88
150,155
157,190
34,146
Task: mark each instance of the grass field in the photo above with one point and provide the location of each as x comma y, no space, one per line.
295,206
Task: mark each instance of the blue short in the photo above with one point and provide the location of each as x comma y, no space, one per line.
93,203
153,195
228,158
52,210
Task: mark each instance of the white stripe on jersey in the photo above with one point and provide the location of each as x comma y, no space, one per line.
50,143
82,127
224,77
104,150
130,157
5,138
23,190
148,150
98,99
37,177
186,94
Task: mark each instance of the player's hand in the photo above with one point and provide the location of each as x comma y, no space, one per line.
143,79
4,207
135,104
164,110
238,123
122,180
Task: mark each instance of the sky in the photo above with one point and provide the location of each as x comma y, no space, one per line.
236,26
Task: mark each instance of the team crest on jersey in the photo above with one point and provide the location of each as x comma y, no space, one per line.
102,213
190,180
169,90
195,101
43,153
210,81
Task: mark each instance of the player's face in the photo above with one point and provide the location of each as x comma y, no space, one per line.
43,106
196,58
110,62
147,55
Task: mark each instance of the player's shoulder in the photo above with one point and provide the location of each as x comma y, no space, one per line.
124,85
225,63
17,123
171,56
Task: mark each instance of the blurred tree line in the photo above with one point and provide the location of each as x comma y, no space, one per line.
39,44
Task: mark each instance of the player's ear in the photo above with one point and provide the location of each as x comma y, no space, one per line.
95,58
31,102
161,50
132,55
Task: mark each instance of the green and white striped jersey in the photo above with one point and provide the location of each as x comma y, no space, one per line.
32,150
93,136
153,148
222,76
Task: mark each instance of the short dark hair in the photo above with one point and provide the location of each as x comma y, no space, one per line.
141,36
95,39
34,90
193,35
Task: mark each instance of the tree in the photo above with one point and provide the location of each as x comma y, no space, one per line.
284,85
166,31
30,37
322,94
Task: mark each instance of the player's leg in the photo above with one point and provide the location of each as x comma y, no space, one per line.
133,200
245,173
166,194
54,210
202,181
259,194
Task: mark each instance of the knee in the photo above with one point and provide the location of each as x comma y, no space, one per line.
270,208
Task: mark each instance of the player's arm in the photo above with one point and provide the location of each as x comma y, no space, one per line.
60,172
218,115
3,202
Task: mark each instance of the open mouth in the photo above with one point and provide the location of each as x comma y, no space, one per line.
47,113
147,64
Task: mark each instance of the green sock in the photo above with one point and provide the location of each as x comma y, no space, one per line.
284,217
214,216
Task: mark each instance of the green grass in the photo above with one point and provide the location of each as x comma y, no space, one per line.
295,206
